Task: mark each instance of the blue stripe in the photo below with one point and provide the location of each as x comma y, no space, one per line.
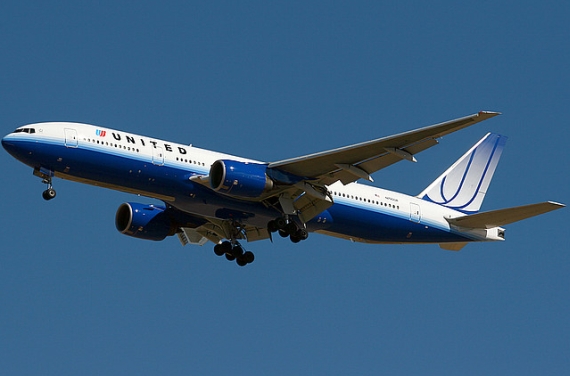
345,217
379,226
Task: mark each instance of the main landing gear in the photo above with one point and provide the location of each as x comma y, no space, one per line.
288,228
234,252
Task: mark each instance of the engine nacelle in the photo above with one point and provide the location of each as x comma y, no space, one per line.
142,221
239,179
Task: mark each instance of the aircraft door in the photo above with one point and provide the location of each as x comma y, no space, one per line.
158,156
415,212
71,140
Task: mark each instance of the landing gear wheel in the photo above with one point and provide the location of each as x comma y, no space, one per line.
241,261
302,234
218,250
272,226
246,258
291,228
223,248
280,223
233,251
48,194
237,251
249,257
283,233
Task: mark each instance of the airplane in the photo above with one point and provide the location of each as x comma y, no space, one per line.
224,199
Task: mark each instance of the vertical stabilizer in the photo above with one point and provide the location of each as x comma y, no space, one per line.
463,186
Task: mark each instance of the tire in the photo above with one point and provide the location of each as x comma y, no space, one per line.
280,223
237,251
272,226
49,194
249,257
218,250
302,234
226,247
291,228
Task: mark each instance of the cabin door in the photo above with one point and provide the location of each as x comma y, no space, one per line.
415,212
70,138
158,156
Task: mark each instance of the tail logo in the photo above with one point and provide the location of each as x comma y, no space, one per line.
464,185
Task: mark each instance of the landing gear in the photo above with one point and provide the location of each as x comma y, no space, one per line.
234,252
49,194
46,176
300,234
287,228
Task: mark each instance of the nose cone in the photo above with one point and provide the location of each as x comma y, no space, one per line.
8,144
14,146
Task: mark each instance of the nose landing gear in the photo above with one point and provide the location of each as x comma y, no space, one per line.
46,176
49,193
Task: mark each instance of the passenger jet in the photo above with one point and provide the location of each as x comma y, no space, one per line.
210,196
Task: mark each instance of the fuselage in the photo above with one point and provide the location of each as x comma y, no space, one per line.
163,170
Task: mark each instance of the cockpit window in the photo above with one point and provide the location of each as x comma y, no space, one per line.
25,130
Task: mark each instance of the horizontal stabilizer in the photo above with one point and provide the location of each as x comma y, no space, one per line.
497,218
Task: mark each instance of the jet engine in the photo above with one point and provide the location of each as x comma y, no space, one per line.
142,221
239,179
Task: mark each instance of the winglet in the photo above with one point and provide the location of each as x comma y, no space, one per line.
489,113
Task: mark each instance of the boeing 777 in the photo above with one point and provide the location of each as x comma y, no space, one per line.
210,196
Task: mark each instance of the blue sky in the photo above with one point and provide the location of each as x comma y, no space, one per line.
273,80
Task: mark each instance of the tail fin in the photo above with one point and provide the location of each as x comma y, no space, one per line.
463,186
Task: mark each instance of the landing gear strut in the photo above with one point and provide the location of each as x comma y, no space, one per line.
234,252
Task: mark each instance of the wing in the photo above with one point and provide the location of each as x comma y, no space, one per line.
354,162
298,185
